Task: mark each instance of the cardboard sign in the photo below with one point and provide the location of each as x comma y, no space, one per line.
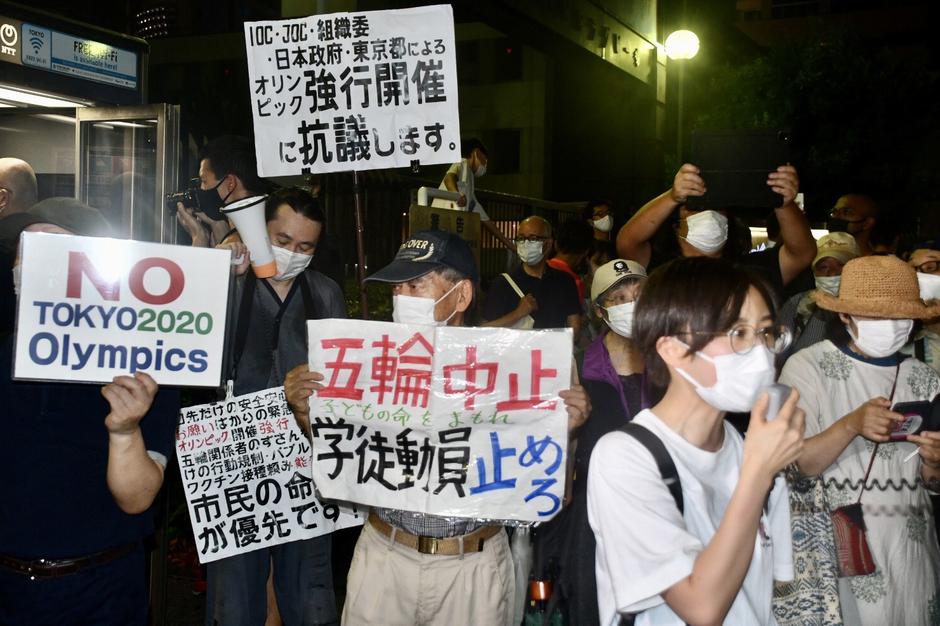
245,466
92,308
460,422
354,91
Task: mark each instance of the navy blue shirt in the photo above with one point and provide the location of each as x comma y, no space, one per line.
555,292
54,496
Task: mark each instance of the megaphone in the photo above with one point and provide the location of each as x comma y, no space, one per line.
248,216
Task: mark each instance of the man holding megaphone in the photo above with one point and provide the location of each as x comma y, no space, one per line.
267,338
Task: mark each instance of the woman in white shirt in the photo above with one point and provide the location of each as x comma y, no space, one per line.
708,335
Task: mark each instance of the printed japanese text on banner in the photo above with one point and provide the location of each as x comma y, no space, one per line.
245,466
354,91
460,422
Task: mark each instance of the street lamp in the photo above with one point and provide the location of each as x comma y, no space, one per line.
681,45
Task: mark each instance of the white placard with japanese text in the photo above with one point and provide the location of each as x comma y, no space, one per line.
460,422
354,91
245,466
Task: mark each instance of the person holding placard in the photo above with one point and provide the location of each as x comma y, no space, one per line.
704,542
414,568
85,464
267,339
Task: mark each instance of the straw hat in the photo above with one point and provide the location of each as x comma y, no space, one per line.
878,286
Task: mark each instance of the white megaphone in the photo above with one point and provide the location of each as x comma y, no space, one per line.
248,216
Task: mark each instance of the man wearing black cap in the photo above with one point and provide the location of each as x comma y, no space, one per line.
414,568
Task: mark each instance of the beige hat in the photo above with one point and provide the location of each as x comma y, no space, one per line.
878,286
840,246
612,273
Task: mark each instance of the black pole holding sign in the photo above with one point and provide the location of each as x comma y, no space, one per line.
360,247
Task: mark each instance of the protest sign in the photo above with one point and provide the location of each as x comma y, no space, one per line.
92,308
461,422
354,91
246,473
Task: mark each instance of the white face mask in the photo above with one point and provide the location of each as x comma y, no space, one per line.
530,251
620,318
829,284
708,230
881,338
604,224
418,310
289,264
17,279
739,379
480,171
929,286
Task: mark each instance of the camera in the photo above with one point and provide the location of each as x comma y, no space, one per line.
188,196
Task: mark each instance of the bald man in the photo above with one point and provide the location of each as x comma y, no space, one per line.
534,295
18,190
855,214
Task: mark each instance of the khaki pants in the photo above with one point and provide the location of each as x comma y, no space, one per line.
391,585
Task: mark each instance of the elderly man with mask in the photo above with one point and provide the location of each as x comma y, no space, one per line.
413,568
534,295
807,322
707,233
848,389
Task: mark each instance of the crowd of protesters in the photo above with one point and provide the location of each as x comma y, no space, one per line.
697,496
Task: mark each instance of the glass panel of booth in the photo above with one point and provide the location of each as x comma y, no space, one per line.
127,160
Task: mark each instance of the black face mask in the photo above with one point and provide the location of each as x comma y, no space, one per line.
837,225
208,201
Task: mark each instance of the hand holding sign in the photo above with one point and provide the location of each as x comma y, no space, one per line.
130,398
299,385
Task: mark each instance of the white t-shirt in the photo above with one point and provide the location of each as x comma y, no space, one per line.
465,182
644,545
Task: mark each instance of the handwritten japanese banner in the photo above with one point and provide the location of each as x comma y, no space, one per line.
92,308
246,473
354,91
459,422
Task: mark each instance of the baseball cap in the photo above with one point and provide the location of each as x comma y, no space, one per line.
429,250
612,273
73,216
840,246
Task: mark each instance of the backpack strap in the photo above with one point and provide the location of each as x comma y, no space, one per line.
664,461
513,284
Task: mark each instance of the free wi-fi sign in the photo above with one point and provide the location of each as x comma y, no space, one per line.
36,46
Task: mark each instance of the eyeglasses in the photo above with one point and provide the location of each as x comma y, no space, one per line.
521,239
928,267
744,337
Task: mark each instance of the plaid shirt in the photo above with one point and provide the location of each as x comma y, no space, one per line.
426,525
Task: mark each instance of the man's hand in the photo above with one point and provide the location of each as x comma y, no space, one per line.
527,305
197,231
241,258
578,405
873,420
462,200
299,385
130,398
786,182
687,183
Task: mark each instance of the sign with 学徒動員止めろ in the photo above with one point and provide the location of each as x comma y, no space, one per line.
92,308
460,422
354,91
245,466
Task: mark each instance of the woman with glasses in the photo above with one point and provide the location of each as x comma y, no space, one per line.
708,336
848,390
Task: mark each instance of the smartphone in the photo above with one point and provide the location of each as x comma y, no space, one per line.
778,395
918,417
735,164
